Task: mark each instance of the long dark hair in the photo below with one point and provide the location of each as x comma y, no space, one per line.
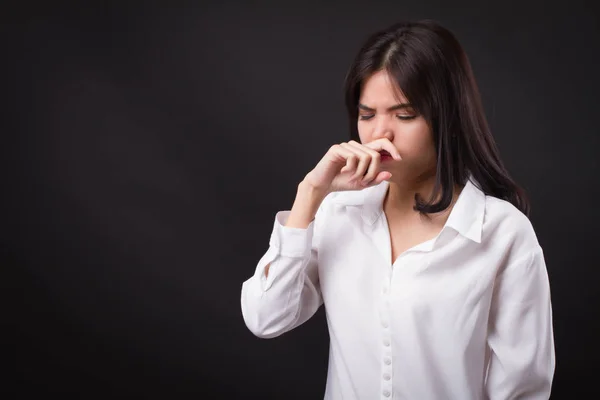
433,72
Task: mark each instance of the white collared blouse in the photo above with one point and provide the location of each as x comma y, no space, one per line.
466,315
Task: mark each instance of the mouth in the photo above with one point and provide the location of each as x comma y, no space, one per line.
385,153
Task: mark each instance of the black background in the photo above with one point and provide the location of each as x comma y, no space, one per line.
146,149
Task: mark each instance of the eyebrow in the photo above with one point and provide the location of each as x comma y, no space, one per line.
392,108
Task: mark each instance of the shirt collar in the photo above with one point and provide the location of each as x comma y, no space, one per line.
466,216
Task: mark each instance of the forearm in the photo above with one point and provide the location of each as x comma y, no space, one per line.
305,206
307,202
272,306
290,294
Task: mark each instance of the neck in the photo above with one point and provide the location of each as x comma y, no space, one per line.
400,198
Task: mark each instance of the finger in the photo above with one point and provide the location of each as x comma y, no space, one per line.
342,154
363,163
382,176
375,164
384,144
350,164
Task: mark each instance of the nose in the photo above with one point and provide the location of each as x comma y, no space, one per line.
383,128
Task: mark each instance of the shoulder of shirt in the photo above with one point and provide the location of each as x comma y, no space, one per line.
505,219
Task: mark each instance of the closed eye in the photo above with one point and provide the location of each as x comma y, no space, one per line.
401,117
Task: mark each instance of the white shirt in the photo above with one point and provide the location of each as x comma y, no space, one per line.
465,316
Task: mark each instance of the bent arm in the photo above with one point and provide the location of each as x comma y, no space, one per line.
289,294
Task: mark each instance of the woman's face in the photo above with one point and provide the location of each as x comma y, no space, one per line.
385,113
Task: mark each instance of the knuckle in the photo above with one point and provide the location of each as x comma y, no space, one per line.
334,147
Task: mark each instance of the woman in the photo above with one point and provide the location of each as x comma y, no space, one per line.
415,238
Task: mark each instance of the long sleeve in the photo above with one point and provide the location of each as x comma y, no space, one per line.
290,294
520,338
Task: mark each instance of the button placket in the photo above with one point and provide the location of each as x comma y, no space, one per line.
386,341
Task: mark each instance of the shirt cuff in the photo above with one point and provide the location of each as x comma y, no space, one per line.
291,242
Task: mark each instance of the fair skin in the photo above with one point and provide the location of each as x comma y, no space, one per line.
384,112
386,123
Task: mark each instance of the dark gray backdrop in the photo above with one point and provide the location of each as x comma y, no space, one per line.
147,149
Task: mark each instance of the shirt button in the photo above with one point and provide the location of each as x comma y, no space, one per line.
385,324
384,290
387,377
386,393
387,361
386,342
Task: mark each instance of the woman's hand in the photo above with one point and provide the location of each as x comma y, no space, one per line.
351,166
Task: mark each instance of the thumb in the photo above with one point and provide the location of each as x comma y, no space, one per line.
382,176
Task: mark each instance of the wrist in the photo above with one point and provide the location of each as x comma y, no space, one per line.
307,202
308,190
